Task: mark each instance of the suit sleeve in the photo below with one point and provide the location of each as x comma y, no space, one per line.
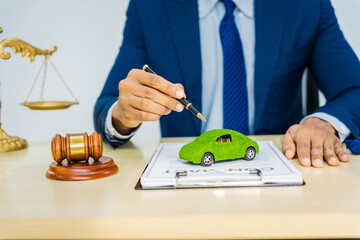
131,55
336,69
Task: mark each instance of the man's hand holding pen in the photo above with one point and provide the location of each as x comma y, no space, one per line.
188,105
144,97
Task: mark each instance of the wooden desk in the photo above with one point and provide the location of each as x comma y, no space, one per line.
31,206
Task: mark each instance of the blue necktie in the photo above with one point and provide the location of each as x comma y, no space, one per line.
235,103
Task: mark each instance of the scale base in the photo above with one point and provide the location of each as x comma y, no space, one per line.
83,170
11,143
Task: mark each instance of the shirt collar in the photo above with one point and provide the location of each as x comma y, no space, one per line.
245,6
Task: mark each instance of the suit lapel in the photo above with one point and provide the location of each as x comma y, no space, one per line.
270,17
184,26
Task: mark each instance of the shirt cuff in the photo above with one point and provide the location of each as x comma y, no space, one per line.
110,131
341,129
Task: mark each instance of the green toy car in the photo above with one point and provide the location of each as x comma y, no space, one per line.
218,145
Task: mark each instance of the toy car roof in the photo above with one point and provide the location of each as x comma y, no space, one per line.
213,134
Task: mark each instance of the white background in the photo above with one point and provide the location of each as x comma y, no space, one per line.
88,34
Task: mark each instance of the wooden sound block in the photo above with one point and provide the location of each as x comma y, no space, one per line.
82,170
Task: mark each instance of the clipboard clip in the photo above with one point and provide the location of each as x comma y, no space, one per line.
219,178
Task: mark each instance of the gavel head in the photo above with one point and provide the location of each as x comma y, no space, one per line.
76,147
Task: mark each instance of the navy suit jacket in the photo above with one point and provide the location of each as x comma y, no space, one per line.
290,36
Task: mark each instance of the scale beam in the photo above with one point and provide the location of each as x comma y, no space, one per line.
22,47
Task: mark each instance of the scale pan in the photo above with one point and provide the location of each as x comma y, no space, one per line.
48,105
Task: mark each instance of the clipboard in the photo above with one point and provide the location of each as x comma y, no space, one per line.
166,171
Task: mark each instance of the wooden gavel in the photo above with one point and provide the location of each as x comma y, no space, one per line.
76,147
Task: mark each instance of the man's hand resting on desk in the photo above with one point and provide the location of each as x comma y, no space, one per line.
144,97
314,141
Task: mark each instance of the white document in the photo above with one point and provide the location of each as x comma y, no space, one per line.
269,168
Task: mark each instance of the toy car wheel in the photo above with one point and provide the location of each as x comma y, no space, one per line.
207,160
250,153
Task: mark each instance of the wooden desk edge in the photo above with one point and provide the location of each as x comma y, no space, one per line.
175,227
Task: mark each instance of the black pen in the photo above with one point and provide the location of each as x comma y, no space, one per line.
188,105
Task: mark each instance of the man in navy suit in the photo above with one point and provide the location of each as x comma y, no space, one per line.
181,41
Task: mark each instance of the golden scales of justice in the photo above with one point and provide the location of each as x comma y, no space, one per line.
12,143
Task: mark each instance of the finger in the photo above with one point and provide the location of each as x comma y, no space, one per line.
144,116
303,150
157,82
340,152
317,152
147,105
158,97
167,112
182,87
288,146
329,153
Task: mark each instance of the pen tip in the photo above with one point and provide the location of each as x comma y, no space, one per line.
199,115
